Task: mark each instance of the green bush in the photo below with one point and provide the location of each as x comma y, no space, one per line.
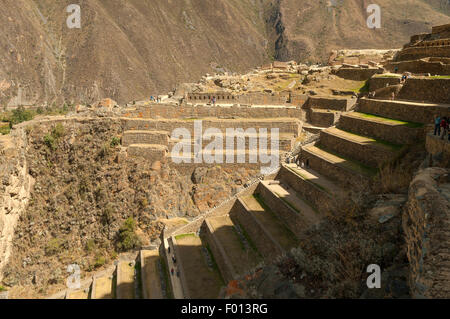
58,131
90,245
4,129
54,246
99,261
115,142
2,288
128,239
50,141
20,115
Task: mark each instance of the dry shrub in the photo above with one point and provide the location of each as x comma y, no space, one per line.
392,179
337,253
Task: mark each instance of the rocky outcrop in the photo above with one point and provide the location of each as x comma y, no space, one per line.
15,186
426,223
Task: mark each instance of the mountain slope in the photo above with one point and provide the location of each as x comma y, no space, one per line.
131,49
313,28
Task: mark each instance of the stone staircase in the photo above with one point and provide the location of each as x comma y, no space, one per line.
275,216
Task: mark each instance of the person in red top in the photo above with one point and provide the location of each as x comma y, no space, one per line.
444,127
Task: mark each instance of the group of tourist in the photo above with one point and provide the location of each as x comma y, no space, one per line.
156,99
405,77
441,124
174,260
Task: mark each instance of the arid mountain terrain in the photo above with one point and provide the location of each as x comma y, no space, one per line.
129,50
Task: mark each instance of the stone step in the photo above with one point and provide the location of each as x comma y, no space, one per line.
323,118
145,137
103,288
335,167
78,294
196,263
269,234
125,288
150,275
296,214
232,250
363,149
330,103
312,129
404,110
320,191
394,131
151,152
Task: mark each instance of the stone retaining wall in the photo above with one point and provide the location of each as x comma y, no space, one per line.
399,134
403,110
151,154
319,198
145,137
329,103
322,119
335,172
420,67
220,256
427,90
426,224
265,243
415,53
365,153
293,220
376,83
284,125
169,111
436,146
357,74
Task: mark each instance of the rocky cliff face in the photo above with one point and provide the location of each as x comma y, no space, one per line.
15,189
131,49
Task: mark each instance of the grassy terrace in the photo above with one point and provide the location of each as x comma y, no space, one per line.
182,236
387,75
297,172
392,146
389,120
352,164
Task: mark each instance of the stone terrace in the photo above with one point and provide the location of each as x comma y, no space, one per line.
148,131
